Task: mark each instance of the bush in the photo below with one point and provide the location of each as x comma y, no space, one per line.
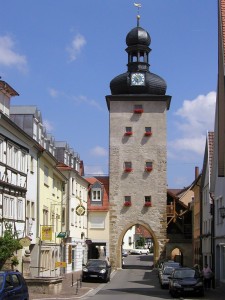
8,245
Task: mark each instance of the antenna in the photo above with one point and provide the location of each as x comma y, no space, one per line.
138,5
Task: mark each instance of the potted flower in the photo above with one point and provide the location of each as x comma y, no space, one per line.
128,170
127,203
128,133
148,169
148,204
148,133
138,110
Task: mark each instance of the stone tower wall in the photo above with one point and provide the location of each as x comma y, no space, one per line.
138,149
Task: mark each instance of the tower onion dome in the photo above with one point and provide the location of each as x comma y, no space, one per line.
138,41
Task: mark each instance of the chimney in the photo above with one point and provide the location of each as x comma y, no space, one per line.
196,172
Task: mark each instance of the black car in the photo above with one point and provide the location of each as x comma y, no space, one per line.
97,268
13,286
185,280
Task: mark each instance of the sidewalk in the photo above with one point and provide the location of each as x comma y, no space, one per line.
215,294
72,288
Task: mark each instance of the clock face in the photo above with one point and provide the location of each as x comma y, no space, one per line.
137,79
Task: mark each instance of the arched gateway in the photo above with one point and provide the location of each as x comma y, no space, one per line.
137,148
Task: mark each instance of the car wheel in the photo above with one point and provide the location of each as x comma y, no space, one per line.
173,294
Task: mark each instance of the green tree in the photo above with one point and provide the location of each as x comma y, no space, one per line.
140,242
8,245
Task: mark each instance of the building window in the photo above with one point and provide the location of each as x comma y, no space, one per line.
45,216
31,164
128,166
148,201
96,195
23,162
127,200
148,166
20,209
9,154
138,109
1,150
97,222
46,174
128,131
30,209
148,131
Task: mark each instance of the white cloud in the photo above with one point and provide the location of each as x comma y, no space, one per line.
83,99
77,44
48,125
99,151
75,99
53,93
93,170
9,57
196,117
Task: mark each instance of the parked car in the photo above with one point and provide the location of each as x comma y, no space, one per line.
164,277
13,286
139,250
124,253
185,280
97,268
168,263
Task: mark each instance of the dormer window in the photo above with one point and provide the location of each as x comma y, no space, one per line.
128,131
138,109
96,193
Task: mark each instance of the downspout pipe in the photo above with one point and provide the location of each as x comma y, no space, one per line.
212,211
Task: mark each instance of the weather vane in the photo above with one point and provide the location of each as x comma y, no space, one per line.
138,5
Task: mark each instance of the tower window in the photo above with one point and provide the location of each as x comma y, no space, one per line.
127,200
128,131
148,131
148,201
128,166
148,166
138,109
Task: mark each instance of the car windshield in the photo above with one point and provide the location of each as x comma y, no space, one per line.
1,281
96,263
184,274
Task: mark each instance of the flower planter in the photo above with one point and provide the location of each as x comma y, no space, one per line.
128,133
127,203
128,170
148,133
138,110
148,204
148,169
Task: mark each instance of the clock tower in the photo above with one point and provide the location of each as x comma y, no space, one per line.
137,107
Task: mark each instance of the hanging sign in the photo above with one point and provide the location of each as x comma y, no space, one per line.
80,210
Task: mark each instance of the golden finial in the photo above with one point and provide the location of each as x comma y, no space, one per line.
138,5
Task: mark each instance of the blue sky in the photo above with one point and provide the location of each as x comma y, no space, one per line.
61,55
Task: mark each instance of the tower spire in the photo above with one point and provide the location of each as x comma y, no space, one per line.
138,5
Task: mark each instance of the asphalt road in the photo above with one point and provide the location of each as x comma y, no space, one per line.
139,281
